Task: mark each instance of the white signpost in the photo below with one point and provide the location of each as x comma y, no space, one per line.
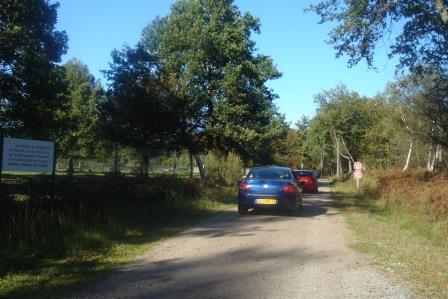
26,155
358,173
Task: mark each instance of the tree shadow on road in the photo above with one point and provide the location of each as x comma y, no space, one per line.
218,275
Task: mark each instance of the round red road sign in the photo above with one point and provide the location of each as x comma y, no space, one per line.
357,174
358,166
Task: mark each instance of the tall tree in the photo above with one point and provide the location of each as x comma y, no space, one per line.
140,112
30,81
352,123
84,96
420,101
208,59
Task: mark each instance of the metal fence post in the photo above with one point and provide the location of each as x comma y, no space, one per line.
175,162
116,159
53,173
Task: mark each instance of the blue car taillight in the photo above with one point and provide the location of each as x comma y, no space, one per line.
244,186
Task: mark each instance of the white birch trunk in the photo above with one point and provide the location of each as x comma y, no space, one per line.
406,166
321,165
338,159
437,159
429,161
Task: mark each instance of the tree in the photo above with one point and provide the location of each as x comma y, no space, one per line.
140,112
85,96
353,124
422,112
421,38
208,60
30,81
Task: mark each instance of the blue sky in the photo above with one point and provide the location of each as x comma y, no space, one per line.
294,40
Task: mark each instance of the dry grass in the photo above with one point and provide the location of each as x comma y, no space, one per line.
401,219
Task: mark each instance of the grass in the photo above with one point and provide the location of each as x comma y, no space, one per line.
128,217
405,241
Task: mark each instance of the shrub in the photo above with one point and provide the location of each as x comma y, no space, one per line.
221,169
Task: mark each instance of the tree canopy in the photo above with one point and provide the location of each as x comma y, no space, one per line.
140,111
30,81
208,60
80,132
419,29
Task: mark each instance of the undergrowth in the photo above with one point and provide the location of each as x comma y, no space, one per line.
401,220
93,223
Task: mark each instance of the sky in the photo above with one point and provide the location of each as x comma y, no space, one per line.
293,38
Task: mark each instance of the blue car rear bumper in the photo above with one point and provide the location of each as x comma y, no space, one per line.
282,201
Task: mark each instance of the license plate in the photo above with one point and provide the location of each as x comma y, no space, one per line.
266,201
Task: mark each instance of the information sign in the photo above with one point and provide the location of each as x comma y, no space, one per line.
26,155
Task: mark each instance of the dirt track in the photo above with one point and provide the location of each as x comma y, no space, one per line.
260,255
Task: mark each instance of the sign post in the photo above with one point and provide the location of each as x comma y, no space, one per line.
358,173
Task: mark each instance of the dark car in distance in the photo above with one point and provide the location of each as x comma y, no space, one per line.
269,187
308,179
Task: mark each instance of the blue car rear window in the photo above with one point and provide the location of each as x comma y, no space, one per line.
283,174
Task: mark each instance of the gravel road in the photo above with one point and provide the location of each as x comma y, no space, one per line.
259,255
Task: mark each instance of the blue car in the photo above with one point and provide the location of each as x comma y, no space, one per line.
269,187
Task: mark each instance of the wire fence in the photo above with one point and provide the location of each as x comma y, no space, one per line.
130,163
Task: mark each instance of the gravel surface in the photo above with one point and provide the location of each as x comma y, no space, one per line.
264,254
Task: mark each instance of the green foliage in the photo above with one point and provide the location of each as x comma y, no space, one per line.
224,169
424,95
81,131
207,59
289,151
140,112
421,38
30,81
420,29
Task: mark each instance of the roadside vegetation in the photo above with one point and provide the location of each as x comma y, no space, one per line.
96,223
401,219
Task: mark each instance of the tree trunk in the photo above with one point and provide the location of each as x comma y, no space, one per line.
175,162
440,5
338,159
437,158
200,165
70,169
440,157
429,165
321,165
406,166
350,168
145,163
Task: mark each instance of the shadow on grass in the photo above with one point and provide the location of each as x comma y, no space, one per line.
347,202
56,277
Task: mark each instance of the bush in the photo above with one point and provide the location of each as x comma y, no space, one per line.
221,169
